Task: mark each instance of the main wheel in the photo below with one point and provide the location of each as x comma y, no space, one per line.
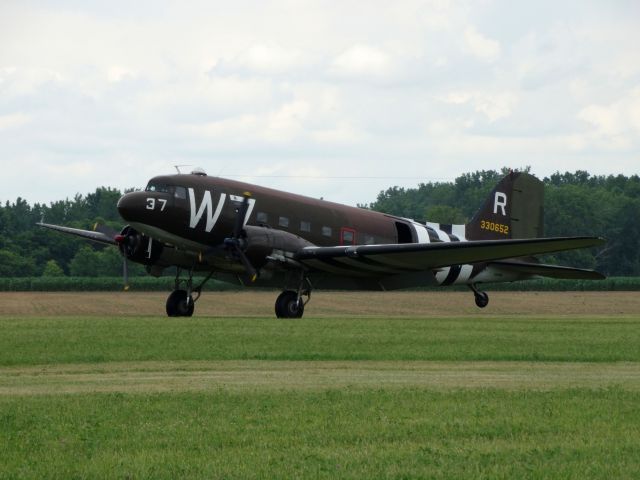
482,299
289,306
179,304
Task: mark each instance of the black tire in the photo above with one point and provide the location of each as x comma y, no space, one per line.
178,306
288,306
482,299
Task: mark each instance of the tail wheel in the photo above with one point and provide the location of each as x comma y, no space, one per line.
179,304
482,299
288,305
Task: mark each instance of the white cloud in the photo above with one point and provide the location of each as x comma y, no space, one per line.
14,120
494,106
481,47
617,125
362,61
118,73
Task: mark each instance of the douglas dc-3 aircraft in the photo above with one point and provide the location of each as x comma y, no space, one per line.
253,235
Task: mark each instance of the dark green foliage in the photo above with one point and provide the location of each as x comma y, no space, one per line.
30,247
52,269
98,284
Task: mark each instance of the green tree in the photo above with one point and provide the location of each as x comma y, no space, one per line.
13,264
444,214
85,263
52,269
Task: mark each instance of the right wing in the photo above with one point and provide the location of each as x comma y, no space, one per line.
369,260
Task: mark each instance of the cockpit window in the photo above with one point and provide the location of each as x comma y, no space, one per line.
180,192
157,187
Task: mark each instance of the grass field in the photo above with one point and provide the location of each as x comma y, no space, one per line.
405,385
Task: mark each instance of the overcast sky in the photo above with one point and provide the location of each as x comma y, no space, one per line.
338,99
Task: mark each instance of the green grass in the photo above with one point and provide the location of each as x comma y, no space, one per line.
510,397
413,433
106,339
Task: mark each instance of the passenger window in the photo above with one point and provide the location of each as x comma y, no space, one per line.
305,226
347,237
262,217
283,221
326,231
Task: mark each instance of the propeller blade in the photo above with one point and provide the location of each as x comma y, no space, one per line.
125,273
252,275
242,213
234,242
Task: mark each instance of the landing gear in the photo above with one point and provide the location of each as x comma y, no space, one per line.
290,303
181,301
179,304
482,298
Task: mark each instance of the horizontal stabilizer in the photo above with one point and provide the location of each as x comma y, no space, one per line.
551,271
100,237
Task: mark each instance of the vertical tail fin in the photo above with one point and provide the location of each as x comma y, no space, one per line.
514,209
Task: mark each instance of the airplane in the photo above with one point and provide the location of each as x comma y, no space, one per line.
256,236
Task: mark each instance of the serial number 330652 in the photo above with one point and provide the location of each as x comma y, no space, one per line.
494,227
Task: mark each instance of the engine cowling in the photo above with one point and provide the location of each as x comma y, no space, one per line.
137,247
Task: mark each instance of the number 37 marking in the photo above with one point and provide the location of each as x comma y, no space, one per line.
151,203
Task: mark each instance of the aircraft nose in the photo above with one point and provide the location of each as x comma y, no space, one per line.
131,205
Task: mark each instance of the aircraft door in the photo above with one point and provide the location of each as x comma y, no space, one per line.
403,230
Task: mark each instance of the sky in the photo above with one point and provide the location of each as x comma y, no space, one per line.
333,99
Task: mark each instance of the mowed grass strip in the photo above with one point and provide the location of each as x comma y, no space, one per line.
260,303
255,375
52,340
373,433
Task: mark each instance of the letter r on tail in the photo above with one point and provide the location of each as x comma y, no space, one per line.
500,201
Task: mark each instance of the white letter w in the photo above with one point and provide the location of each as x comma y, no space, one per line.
196,213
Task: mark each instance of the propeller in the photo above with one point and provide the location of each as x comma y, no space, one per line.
127,241
236,242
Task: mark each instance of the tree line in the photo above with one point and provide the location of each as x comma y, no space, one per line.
575,204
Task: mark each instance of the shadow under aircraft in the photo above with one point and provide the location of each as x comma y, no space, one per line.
252,235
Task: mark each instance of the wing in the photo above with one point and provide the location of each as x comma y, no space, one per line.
368,260
96,236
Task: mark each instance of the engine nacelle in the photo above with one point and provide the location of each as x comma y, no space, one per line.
262,241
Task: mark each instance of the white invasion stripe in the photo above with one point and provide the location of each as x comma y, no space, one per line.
442,235
435,226
423,235
459,231
442,275
465,274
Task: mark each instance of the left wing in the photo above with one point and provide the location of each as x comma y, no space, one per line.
406,257
96,236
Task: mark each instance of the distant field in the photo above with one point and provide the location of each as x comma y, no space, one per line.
402,385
